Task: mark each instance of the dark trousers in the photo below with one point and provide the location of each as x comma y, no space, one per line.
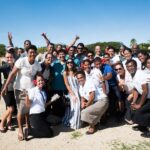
129,112
58,107
142,115
40,127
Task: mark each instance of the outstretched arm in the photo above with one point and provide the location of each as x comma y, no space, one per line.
73,42
46,39
10,39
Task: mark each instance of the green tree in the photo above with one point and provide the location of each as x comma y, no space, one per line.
2,50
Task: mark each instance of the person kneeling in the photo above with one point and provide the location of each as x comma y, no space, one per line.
36,100
93,102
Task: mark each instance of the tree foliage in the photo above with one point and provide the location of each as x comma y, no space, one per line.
2,50
103,45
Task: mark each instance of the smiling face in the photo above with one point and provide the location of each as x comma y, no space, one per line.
9,58
70,65
71,51
87,66
31,55
80,49
127,55
50,48
131,68
148,63
27,44
48,59
142,57
61,56
119,70
40,82
111,52
81,79
98,50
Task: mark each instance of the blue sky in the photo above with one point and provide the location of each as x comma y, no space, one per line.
92,20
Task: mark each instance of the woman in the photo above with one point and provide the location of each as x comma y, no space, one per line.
72,115
9,96
36,101
47,73
58,67
128,56
142,58
25,68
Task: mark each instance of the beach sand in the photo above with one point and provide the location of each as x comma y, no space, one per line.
104,139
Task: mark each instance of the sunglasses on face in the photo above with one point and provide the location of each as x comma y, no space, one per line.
90,55
79,48
118,69
70,62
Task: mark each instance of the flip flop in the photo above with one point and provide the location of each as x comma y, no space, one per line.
10,128
3,130
26,133
91,132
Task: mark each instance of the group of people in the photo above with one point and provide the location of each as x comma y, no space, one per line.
75,84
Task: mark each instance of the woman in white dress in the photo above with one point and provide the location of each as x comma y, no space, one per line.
72,115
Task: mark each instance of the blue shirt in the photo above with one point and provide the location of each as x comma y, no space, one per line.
108,69
58,82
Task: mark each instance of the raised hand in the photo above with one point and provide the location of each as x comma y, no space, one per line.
43,34
77,37
9,36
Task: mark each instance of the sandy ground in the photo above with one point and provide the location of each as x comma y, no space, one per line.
103,139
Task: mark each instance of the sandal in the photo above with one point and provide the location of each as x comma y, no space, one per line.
26,133
91,131
20,137
10,128
3,130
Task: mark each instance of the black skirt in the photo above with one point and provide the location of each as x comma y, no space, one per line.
142,115
9,98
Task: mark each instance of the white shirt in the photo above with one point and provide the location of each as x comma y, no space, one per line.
88,75
38,100
89,87
128,84
25,76
147,72
114,59
137,81
137,61
41,57
96,74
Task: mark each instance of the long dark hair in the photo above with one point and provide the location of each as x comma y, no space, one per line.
143,64
74,69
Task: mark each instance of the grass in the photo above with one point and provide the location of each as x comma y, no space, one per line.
76,135
123,146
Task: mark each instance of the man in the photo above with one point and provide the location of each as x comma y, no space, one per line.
50,48
114,58
142,106
98,52
93,105
135,50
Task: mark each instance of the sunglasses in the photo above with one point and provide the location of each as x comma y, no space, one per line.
90,55
79,48
118,69
70,62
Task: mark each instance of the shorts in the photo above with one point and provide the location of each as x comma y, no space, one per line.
9,99
20,101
